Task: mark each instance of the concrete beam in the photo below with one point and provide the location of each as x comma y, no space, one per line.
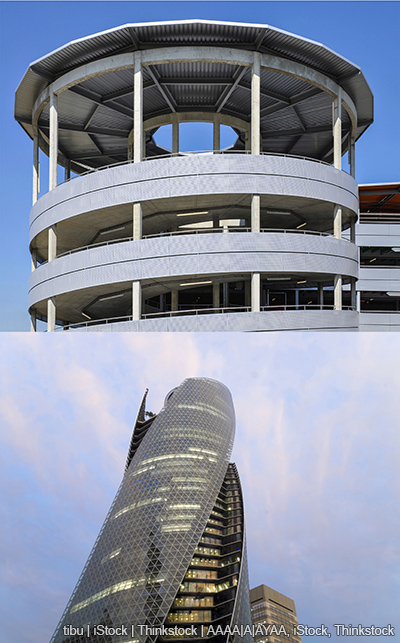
193,54
193,117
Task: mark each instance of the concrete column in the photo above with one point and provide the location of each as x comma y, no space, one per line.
136,300
358,300
337,131
217,133
321,295
255,292
52,243
352,155
33,259
353,294
216,303
53,142
225,295
216,222
33,320
337,222
247,141
51,314
174,299
162,303
337,292
130,146
137,221
296,298
247,293
255,105
138,109
35,184
67,171
175,134
353,230
255,213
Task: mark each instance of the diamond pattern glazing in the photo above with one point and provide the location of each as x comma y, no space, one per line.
164,507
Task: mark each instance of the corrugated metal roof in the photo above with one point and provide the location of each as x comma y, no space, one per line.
88,106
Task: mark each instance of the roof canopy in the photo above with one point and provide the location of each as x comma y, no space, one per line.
96,113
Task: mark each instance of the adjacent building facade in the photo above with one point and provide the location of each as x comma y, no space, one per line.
276,612
171,552
378,237
142,236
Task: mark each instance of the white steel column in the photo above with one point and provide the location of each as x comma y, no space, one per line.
53,142
217,133
137,221
52,243
255,292
337,293
175,134
255,105
138,109
136,300
174,299
215,295
35,186
51,314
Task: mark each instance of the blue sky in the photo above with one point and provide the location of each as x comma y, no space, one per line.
364,32
317,447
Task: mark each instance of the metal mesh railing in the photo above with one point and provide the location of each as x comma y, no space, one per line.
194,153
197,231
204,311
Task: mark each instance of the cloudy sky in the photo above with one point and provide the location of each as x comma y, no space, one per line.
317,447
365,33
